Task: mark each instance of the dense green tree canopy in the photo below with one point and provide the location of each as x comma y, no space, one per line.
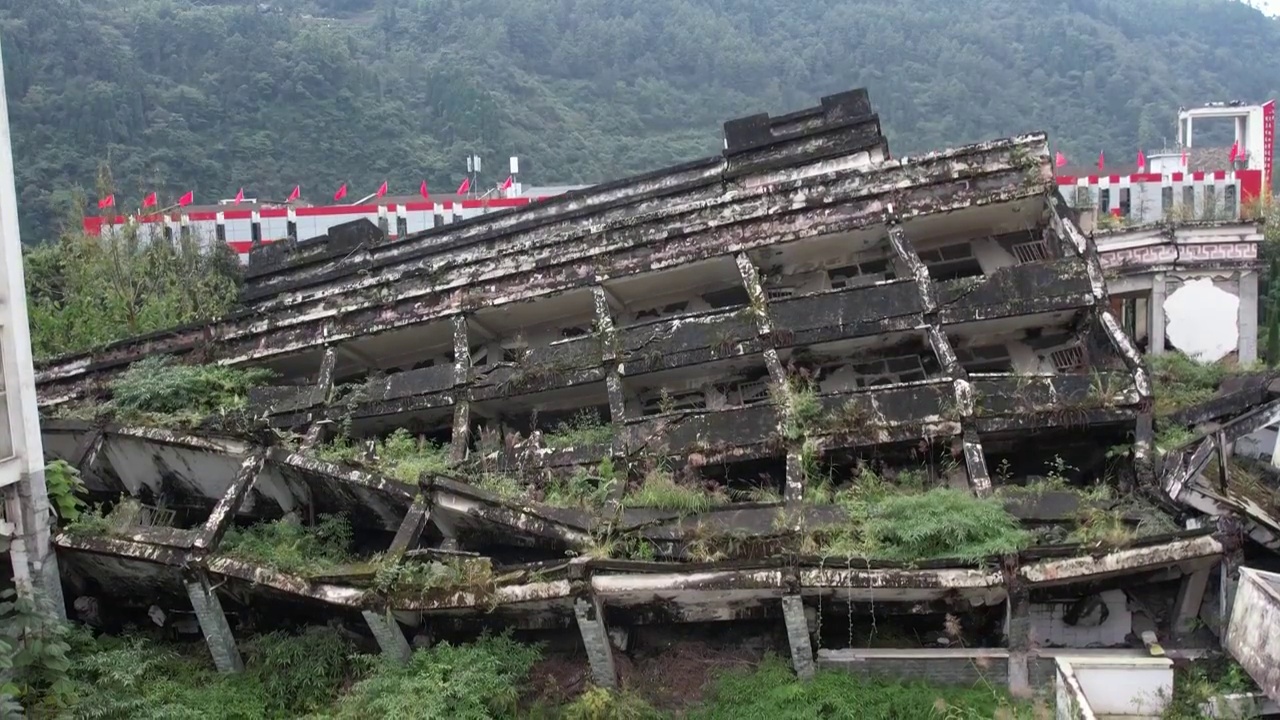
215,95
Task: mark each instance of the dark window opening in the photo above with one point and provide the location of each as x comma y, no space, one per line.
384,225
985,359
1104,201
860,274
1189,198
168,233
574,332
402,226
1125,201
657,402
1166,199
255,232
951,262
293,230
184,232
1210,200
220,232
1229,201
733,297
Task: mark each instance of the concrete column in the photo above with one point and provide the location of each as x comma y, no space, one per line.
391,640
213,624
224,512
1018,629
595,636
461,438
411,528
1155,324
795,481
798,636
1187,606
1247,350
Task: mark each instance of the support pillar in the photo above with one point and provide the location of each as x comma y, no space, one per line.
210,535
607,335
461,438
595,637
798,636
213,624
1155,324
1017,628
391,640
794,490
1247,350
411,528
1186,609
974,457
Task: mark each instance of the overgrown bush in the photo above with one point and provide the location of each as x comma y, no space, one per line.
771,691
64,487
585,429
291,547
299,673
659,490
159,386
85,292
481,681
1179,381
399,455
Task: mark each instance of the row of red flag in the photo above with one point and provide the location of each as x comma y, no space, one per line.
1060,160
187,198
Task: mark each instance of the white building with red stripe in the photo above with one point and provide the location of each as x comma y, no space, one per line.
241,225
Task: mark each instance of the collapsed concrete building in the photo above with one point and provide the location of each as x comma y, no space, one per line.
779,336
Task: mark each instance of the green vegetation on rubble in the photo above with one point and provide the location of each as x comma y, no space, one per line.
400,455
291,547
660,491
584,429
157,390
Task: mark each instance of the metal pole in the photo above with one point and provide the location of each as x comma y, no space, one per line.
22,474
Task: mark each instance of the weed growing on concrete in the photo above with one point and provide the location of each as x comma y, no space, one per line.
659,490
158,391
584,489
400,455
64,487
1179,382
402,578
290,547
100,522
584,429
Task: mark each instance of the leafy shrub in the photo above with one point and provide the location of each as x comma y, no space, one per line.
299,673
601,704
64,487
291,547
941,523
399,455
157,385
481,681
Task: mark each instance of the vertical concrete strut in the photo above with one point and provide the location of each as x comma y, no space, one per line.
213,623
1084,248
386,630
607,333
589,612
793,489
1186,608
798,636
224,512
411,528
974,458
1017,626
324,383
461,438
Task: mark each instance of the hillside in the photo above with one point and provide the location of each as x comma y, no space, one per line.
213,96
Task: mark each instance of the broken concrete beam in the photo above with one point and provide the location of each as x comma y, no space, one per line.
595,637
798,636
391,640
213,624
210,535
1186,608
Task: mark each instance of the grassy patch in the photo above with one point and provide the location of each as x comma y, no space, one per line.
400,455
159,391
772,691
410,578
99,522
584,489
293,548
659,490
1179,382
585,429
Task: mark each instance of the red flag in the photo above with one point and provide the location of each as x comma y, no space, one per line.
186,199
240,196
149,200
1235,151
1142,160
106,202
382,190
1101,161
506,184
1115,212
423,191
297,193
342,192
1058,160
465,186
1184,158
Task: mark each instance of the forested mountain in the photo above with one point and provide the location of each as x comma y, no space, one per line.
214,95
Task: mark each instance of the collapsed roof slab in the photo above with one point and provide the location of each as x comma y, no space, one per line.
512,268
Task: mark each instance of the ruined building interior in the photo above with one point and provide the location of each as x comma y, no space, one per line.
881,408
